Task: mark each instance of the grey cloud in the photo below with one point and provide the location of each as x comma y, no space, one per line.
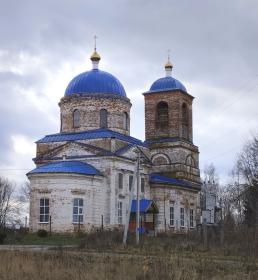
212,43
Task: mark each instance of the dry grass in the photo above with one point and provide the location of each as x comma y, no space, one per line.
82,265
100,255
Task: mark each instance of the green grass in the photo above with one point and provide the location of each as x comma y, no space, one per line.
51,240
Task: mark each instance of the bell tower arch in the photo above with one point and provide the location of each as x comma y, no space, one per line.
169,129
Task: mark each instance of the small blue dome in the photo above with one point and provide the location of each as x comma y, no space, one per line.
95,81
167,83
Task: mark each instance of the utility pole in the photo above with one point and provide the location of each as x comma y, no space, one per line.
131,196
137,228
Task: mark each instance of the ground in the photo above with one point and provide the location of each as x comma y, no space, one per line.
102,256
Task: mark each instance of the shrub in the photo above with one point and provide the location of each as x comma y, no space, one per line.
99,239
2,237
42,233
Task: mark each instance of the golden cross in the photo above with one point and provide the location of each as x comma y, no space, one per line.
95,42
168,54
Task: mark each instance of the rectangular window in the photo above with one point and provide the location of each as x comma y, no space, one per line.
120,212
182,217
130,182
142,185
44,210
191,218
171,217
120,180
78,210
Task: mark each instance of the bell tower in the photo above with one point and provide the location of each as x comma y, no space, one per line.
168,128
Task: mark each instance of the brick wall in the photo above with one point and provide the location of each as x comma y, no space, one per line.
89,107
175,101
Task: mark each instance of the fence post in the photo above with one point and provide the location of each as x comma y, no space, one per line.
102,223
205,236
50,225
222,234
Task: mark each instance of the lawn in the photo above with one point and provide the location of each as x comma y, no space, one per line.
51,240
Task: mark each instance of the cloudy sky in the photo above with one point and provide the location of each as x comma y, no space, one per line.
214,49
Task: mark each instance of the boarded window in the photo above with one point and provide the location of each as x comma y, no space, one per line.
103,118
76,118
130,182
78,210
44,210
162,115
120,180
142,185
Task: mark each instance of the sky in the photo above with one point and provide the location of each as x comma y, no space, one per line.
213,47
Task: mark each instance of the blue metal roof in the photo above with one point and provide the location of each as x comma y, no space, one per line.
145,204
166,84
90,134
95,81
157,178
77,167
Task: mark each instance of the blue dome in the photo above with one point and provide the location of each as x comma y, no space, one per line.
95,81
167,83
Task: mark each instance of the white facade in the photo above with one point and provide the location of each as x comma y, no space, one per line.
84,173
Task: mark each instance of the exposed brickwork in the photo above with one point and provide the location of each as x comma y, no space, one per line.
175,100
178,158
180,164
90,107
182,154
166,196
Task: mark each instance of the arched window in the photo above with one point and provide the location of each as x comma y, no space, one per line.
160,159
103,118
125,121
162,115
190,161
185,121
76,118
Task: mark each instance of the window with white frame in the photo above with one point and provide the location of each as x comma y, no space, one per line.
142,185
120,212
191,218
130,182
44,210
171,215
120,180
78,210
182,217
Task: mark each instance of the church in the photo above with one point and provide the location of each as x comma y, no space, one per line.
85,175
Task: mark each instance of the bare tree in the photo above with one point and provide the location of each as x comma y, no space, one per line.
211,179
236,196
25,192
247,166
6,191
